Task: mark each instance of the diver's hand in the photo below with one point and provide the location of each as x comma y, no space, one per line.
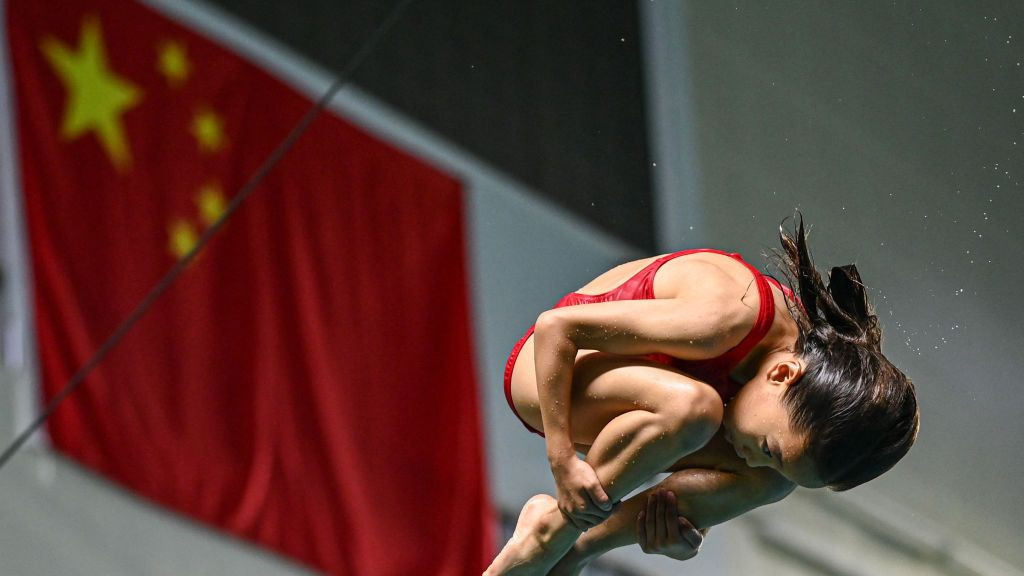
581,498
661,530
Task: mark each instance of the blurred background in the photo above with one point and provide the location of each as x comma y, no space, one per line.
586,134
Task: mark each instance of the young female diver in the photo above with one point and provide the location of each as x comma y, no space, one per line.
695,363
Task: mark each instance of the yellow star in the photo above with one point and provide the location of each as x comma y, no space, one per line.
183,238
173,63
211,204
97,97
208,128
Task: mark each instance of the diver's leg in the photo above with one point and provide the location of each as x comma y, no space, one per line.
705,497
639,417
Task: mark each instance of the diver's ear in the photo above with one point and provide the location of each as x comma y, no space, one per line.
786,372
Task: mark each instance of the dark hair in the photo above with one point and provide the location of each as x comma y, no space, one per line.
858,410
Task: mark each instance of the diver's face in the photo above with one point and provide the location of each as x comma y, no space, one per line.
757,424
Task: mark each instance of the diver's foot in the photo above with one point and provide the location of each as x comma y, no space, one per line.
537,543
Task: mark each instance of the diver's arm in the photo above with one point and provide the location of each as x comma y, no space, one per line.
694,329
704,498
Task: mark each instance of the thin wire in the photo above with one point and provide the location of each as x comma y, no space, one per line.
180,265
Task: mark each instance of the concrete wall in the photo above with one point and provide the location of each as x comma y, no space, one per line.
897,128
548,92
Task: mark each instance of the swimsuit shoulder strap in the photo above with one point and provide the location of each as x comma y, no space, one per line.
765,317
642,283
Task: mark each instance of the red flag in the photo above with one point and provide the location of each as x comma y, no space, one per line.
308,382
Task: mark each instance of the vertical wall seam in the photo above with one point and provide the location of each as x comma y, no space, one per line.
671,126
18,351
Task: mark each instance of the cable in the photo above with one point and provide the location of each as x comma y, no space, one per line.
140,310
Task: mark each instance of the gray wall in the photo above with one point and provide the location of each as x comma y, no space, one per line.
548,92
892,126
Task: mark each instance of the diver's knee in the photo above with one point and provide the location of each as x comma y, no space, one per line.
693,415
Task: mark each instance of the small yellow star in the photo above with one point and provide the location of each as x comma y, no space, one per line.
211,204
208,129
173,63
97,97
183,238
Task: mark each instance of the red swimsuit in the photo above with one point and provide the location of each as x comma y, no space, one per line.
640,286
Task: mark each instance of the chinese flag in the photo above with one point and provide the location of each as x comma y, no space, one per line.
308,383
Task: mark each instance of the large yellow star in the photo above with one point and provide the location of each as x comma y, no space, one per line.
97,97
173,63
211,204
208,129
